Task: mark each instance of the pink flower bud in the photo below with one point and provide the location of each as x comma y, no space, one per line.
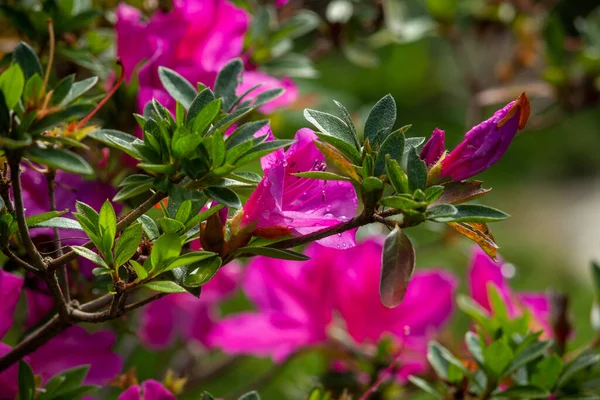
434,148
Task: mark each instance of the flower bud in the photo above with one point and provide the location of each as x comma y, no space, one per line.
434,148
485,143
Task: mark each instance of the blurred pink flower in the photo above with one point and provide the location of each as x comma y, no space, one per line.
296,302
485,143
483,271
72,348
196,39
283,203
148,390
185,316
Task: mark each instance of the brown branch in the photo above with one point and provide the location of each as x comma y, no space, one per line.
63,277
123,223
15,177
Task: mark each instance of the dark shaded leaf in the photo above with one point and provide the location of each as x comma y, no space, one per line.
397,266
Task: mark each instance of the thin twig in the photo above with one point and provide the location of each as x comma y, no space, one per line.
63,276
15,178
13,257
127,220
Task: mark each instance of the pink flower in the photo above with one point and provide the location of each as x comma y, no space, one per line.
283,203
485,143
484,272
434,148
148,390
185,316
296,302
196,39
72,348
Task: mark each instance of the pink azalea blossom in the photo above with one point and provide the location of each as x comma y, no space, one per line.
185,316
296,302
283,203
196,39
485,143
434,148
483,271
71,348
148,390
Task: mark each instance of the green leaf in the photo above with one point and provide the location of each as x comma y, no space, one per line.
441,211
102,271
347,118
322,175
183,212
522,392
477,313
273,253
417,171
200,101
150,227
202,216
140,271
349,151
119,140
401,203
426,386
58,222
397,266
244,133
498,357
170,225
39,218
433,193
133,190
250,396
107,221
380,121
12,83
206,116
28,61
62,89
583,361
530,353
224,196
89,213
90,255
411,142
128,244
267,96
165,249
64,382
546,372
190,258
78,89
26,381
164,287
332,126
392,147
261,150
397,176
224,123
474,213
177,86
474,345
60,159
227,82
442,360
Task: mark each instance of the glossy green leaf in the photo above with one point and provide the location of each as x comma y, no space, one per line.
546,372
60,159
396,175
584,361
39,218
206,116
190,258
12,83
90,255
245,133
28,61
401,203
474,213
128,243
397,266
164,287
140,271
529,354
224,196
426,386
149,226
170,225
522,392
261,150
165,249
322,175
107,221
58,222
62,89
200,101
498,357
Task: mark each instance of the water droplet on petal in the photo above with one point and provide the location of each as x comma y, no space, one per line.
406,330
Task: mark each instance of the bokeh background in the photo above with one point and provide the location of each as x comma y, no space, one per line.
449,64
